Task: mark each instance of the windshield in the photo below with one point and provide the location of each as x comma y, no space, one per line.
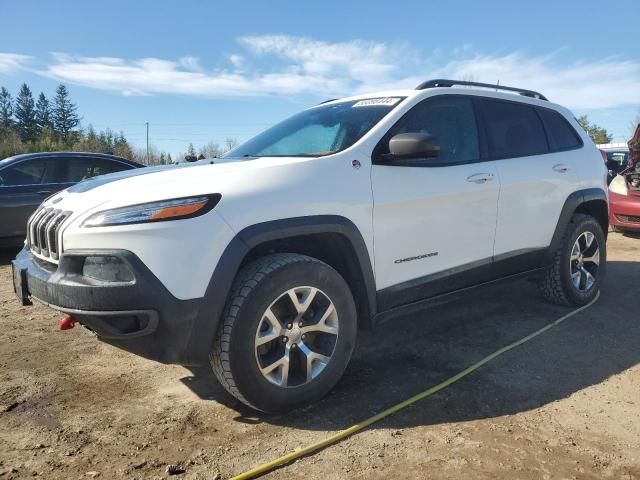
319,131
618,157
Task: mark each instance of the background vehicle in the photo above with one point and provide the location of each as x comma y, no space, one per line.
344,215
616,157
624,191
26,180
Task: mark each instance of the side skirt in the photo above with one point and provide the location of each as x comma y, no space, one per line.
420,305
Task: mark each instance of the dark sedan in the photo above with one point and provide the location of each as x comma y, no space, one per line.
26,180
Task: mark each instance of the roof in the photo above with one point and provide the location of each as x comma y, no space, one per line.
106,156
613,146
455,86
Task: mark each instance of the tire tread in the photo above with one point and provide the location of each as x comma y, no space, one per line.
551,285
246,281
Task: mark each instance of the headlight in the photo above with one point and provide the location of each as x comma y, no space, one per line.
161,211
619,185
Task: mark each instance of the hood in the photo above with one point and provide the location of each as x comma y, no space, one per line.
172,181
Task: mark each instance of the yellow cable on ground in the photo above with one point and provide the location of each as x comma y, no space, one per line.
267,467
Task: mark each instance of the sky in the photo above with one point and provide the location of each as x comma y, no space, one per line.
204,71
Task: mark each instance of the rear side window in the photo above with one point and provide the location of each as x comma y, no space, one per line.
82,168
513,130
561,134
450,119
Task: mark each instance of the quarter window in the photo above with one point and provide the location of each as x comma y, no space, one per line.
562,136
513,130
450,119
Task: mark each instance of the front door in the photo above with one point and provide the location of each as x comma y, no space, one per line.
434,223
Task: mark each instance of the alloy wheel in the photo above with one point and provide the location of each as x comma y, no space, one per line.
296,337
585,261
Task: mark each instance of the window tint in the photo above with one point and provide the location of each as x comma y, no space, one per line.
314,138
513,130
450,119
82,168
322,130
32,172
561,134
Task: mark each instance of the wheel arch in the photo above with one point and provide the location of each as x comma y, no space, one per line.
590,201
332,239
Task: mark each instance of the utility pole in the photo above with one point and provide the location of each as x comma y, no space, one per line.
147,124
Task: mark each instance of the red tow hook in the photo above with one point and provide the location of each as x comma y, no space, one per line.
67,322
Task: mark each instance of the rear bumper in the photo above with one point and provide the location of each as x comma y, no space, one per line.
141,316
624,211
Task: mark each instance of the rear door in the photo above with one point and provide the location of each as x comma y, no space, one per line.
434,220
536,177
23,186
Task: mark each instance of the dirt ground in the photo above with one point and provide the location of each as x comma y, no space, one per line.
566,405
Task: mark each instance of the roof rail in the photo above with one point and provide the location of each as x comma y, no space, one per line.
450,83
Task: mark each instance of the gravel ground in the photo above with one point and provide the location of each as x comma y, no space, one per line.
566,405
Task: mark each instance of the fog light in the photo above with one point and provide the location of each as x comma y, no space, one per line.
107,269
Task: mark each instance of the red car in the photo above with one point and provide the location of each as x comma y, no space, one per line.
624,193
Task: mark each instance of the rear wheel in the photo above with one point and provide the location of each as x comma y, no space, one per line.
287,335
579,263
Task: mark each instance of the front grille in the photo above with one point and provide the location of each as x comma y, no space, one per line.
42,231
628,218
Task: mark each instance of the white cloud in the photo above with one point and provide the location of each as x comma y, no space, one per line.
604,83
287,65
11,62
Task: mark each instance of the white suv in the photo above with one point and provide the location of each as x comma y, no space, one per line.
264,263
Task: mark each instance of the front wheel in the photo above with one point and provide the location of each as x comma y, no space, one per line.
579,264
287,334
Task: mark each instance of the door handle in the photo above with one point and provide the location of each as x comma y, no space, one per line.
44,192
480,178
561,168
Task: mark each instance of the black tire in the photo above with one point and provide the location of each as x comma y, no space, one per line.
557,285
233,357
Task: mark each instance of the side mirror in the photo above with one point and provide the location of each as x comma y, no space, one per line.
414,145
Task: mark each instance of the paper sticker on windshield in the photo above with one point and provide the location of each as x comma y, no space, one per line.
376,102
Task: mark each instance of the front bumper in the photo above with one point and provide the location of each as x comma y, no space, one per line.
141,316
624,211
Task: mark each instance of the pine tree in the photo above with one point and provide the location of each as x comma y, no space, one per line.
65,118
26,115
121,146
43,113
6,110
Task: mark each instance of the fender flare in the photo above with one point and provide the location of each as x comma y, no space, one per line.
570,206
215,297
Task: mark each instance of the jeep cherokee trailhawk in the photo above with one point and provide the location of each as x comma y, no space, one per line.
265,263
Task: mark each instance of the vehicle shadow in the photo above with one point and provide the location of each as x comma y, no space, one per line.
406,356
630,234
8,254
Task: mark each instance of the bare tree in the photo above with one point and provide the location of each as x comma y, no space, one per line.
230,144
210,150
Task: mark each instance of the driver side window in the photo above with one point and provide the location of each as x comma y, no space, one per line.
451,119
